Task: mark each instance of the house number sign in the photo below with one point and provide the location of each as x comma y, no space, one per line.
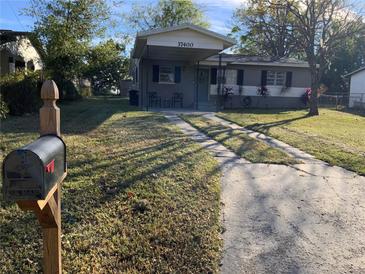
185,44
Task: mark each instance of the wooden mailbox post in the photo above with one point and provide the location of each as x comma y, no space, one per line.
48,211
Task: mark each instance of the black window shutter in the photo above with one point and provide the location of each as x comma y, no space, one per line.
177,74
155,73
263,77
288,80
213,76
240,74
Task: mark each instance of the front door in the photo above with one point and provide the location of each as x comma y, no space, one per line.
203,85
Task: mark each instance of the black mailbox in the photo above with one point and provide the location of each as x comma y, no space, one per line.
30,172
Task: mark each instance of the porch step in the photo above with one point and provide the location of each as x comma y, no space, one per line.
207,107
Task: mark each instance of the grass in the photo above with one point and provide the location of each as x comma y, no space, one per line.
139,196
336,137
251,149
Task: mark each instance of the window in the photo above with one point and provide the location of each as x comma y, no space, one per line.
166,75
231,77
19,65
275,78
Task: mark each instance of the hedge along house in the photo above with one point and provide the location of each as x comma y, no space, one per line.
184,67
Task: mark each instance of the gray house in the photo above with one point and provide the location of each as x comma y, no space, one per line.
184,67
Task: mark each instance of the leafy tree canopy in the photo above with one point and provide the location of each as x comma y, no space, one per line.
316,31
322,27
165,13
265,28
65,29
347,57
107,66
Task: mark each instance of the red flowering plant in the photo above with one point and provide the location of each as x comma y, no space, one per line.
262,91
306,96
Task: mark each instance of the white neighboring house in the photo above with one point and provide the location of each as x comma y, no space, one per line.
17,52
357,88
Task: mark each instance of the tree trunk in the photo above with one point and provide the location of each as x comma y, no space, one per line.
313,101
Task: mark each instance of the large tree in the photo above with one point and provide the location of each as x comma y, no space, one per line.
263,28
347,57
322,25
165,13
107,66
314,30
65,29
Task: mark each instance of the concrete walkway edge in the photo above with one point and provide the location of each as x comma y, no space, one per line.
292,151
307,218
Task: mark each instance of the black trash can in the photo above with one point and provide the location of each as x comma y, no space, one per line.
133,97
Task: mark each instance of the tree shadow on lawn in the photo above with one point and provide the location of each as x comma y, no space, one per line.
77,117
140,166
118,171
359,112
265,127
263,111
250,149
90,181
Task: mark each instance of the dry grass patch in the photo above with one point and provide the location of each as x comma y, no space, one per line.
140,197
336,137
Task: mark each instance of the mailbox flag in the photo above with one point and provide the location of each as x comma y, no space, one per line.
49,168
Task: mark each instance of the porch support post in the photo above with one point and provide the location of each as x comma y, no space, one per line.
147,78
219,82
141,79
197,85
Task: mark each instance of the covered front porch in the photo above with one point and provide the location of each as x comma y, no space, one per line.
168,62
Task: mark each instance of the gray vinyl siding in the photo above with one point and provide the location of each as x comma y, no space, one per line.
252,76
186,85
264,102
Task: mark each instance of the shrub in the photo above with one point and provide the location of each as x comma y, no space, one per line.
85,91
21,92
3,109
72,90
68,90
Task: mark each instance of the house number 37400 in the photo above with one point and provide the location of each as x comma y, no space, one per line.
185,44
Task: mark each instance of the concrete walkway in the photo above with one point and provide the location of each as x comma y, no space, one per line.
309,218
292,151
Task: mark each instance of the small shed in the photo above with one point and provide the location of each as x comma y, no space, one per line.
357,88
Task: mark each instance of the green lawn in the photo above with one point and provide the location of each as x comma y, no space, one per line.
336,137
139,196
251,149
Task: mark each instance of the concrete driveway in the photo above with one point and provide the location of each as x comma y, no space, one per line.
306,218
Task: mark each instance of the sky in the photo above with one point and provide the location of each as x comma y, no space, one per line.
218,13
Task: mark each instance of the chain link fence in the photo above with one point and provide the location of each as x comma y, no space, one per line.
355,100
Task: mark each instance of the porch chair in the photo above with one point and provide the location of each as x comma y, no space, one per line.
154,100
177,99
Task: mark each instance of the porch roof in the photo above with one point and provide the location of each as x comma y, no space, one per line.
237,59
185,42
